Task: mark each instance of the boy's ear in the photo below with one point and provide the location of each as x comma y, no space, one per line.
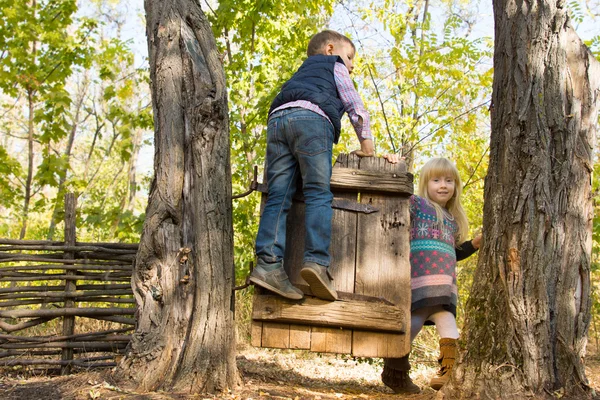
328,49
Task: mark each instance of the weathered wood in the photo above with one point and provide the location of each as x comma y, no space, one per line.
375,181
276,335
256,334
343,233
331,340
377,344
358,180
300,337
294,242
316,312
383,251
373,265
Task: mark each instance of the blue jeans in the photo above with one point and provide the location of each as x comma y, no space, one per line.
299,143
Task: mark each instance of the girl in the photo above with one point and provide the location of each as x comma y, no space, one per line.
439,227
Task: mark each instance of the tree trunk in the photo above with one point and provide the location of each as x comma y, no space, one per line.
30,137
184,275
529,309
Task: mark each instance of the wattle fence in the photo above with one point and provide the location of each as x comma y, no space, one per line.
52,295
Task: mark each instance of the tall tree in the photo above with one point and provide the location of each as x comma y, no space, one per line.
529,309
184,276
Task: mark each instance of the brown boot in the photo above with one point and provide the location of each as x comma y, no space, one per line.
446,361
395,375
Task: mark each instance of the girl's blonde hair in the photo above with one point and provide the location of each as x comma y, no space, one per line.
437,167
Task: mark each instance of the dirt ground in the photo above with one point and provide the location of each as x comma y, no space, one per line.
267,374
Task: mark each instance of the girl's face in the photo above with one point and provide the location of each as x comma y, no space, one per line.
440,189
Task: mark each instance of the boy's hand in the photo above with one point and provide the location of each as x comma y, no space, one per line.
367,149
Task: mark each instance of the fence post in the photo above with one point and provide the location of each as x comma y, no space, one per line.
70,285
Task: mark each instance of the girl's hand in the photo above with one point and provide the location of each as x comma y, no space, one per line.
476,241
393,158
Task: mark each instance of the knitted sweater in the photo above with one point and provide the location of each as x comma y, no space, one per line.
432,257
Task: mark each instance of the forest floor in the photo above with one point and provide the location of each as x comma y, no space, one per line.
266,374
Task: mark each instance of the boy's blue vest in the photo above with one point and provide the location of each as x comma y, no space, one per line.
314,81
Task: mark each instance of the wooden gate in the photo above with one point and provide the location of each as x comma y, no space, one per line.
369,263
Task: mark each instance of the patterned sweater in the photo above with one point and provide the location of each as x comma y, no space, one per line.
433,257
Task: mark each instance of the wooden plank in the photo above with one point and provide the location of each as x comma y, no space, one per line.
330,340
377,344
372,180
276,335
294,242
343,234
383,267
300,337
383,249
256,333
317,312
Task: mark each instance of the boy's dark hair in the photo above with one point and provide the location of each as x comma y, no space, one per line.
316,43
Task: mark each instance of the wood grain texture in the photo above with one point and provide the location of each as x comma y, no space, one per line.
373,180
331,340
316,312
276,335
377,344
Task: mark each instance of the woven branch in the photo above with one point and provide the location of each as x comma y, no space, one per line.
58,296
76,363
123,267
6,327
66,312
47,339
67,248
99,299
53,277
58,288
90,346
119,320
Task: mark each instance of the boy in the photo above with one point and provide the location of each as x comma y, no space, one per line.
304,122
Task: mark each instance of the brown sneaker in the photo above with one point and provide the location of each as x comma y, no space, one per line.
277,281
319,280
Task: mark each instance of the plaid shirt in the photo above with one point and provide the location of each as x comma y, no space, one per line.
353,104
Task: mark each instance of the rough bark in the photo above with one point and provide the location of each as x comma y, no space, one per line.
525,330
184,275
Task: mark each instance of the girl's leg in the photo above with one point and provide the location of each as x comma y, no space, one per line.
417,320
445,323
